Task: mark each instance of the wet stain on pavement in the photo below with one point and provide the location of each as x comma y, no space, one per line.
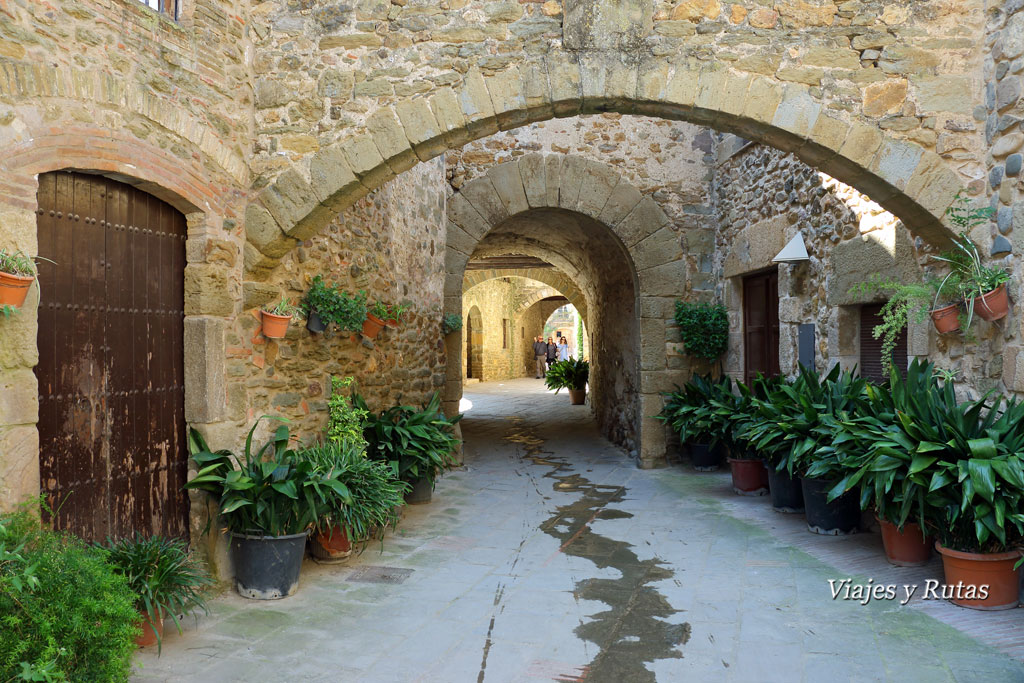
633,630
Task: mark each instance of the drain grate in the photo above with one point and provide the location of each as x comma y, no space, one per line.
373,574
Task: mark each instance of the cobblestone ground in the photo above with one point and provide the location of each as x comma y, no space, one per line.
551,557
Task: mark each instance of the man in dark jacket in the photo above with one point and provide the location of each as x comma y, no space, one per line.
540,353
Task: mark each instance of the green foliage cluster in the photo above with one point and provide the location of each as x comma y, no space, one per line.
345,422
65,613
704,328
17,263
272,491
908,446
579,336
567,374
165,578
416,444
283,307
388,312
451,322
346,311
972,276
370,497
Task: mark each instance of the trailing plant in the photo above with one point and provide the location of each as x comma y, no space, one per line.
345,422
415,443
347,311
165,578
567,374
272,492
373,492
704,328
283,307
65,613
451,322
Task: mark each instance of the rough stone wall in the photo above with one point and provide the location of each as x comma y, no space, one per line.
763,197
497,301
391,245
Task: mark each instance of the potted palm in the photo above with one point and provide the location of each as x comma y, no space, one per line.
571,374
733,411
276,319
165,578
689,413
269,499
758,428
418,445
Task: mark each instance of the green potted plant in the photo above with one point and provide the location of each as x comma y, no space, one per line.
376,317
704,329
318,303
731,412
689,413
389,313
165,578
269,501
276,319
417,444
17,273
451,322
983,287
571,374
370,501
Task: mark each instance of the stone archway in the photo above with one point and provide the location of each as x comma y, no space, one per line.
907,179
557,281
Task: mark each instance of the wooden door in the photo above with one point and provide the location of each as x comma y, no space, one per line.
761,325
113,455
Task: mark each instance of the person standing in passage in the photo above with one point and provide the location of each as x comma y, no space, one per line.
563,349
540,354
552,351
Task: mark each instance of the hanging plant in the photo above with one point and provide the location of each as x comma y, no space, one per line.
276,319
704,328
17,273
451,322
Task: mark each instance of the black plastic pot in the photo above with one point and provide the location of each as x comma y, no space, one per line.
787,493
267,567
421,492
837,518
314,324
705,458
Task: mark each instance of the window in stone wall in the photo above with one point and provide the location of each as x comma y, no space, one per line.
168,7
871,348
505,329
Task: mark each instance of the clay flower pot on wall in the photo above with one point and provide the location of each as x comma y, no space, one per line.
992,305
14,289
946,319
372,326
994,570
275,326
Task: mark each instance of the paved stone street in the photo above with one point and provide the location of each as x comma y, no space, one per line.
551,557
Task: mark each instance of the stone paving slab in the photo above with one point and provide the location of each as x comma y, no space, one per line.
550,557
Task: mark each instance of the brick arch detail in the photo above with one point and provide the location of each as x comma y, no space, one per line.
908,180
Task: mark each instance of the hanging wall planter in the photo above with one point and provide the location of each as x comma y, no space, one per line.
372,326
14,289
314,324
946,319
994,305
275,320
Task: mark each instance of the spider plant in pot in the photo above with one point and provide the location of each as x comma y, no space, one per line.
376,319
571,374
367,506
269,499
276,319
983,287
688,412
167,580
418,444
17,273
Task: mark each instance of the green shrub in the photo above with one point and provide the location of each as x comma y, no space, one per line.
451,322
688,411
346,311
704,329
75,619
568,374
344,421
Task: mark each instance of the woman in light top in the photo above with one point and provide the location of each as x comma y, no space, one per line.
563,349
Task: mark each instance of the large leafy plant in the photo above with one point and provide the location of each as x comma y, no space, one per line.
689,412
347,311
164,577
568,374
704,328
272,492
416,444
372,493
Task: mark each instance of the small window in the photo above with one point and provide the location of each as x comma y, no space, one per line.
168,7
505,327
871,348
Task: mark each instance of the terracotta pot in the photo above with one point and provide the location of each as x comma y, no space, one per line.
906,548
332,545
749,477
372,326
14,289
992,305
152,629
275,326
577,397
946,319
994,570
